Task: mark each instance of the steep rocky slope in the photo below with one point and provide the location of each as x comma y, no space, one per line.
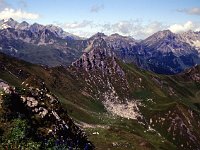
32,118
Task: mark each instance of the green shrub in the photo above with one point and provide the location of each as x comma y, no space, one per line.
19,130
17,137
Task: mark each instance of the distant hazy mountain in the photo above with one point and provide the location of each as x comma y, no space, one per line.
46,45
59,32
167,52
164,52
192,38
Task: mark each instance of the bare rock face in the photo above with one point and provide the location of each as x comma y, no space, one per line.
100,69
93,59
166,42
192,74
4,87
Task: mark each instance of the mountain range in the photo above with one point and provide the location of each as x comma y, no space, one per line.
164,52
114,92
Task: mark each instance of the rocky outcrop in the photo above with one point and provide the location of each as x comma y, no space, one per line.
45,115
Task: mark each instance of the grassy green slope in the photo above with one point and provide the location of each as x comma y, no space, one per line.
159,94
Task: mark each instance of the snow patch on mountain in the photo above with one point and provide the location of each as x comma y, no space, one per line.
197,44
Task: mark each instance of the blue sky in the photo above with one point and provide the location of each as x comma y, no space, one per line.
137,18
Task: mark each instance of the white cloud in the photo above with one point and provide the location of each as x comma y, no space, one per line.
176,28
122,27
82,33
195,11
197,29
17,14
96,8
135,28
75,25
191,11
150,28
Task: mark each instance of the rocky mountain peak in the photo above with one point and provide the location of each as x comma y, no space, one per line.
192,38
115,35
118,36
8,23
160,35
168,42
9,20
55,29
24,23
95,58
98,36
36,27
59,32
192,74
22,26
118,41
